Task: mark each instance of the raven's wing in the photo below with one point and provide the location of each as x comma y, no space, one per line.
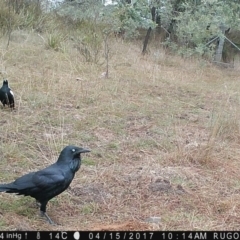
42,184
50,182
48,177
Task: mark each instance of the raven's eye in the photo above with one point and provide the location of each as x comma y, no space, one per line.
73,150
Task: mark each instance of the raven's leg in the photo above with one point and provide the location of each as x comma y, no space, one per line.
43,212
48,218
38,204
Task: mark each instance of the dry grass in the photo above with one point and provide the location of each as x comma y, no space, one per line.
164,134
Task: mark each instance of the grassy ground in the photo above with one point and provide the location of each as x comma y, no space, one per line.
164,134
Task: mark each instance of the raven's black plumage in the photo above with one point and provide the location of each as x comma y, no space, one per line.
45,184
6,95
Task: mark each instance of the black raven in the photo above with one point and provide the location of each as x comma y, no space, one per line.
45,184
6,95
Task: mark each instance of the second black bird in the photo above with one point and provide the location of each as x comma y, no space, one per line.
45,184
6,95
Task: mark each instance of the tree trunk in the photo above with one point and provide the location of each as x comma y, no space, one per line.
146,41
219,51
218,55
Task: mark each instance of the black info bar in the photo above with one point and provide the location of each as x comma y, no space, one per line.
119,235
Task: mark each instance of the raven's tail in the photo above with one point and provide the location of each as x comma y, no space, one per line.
8,188
7,99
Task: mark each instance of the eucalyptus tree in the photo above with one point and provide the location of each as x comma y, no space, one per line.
200,21
192,26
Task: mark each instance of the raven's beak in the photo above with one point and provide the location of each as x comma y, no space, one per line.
79,151
85,150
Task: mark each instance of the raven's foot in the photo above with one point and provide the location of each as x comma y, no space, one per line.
44,214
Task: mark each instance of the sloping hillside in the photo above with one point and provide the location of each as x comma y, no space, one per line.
164,134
